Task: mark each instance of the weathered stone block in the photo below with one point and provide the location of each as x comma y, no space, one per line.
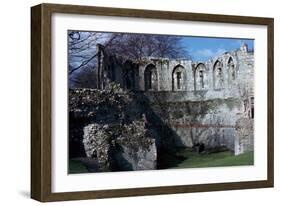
120,147
244,137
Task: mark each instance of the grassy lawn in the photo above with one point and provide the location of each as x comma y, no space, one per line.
227,158
191,159
185,159
75,167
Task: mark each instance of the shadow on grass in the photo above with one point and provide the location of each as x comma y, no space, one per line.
167,159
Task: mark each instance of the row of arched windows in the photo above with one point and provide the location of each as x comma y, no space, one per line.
200,76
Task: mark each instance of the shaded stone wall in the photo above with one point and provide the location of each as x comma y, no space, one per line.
211,122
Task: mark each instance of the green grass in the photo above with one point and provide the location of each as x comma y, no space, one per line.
219,159
75,167
190,159
185,158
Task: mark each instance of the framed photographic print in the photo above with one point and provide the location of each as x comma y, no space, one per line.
130,102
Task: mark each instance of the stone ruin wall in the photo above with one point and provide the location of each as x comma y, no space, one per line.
199,101
211,122
228,73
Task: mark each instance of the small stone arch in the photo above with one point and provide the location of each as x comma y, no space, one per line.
232,73
218,75
150,78
200,77
178,78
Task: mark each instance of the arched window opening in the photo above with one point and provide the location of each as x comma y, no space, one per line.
232,70
218,75
128,76
200,77
150,78
178,78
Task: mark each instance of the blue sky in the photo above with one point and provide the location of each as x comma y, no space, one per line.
204,48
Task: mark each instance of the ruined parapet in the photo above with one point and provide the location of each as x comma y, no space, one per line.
224,75
244,135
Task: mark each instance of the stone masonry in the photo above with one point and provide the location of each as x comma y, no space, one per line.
104,128
188,102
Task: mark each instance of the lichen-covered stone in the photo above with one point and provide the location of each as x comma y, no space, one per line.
96,141
244,138
94,103
136,148
120,147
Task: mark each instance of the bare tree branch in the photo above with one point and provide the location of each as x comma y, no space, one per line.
92,57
